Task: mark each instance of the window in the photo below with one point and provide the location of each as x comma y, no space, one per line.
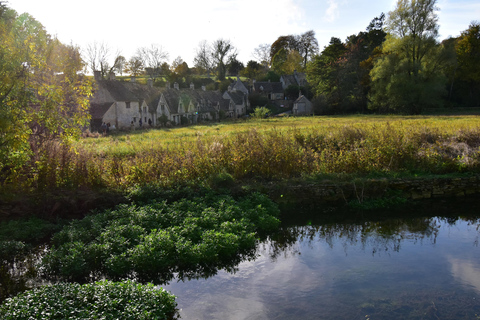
128,104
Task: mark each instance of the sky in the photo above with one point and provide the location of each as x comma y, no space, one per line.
178,26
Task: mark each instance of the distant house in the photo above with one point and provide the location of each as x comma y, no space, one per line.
191,104
240,86
302,106
121,103
238,103
296,79
272,90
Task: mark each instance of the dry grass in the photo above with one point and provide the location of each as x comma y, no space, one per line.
264,149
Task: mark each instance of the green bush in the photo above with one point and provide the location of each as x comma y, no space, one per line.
260,112
158,239
100,300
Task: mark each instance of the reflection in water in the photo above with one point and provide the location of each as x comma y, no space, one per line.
425,268
466,272
420,268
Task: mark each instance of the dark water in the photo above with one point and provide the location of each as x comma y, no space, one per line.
400,268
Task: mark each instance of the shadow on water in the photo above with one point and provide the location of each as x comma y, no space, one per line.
382,275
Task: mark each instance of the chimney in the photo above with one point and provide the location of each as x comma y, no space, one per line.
229,88
97,75
192,86
167,84
132,79
176,86
111,76
150,82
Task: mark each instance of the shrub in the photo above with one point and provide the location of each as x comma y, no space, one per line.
100,300
260,112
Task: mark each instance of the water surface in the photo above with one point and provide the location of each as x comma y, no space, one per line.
415,268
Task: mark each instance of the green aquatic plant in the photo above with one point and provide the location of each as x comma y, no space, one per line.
100,300
158,239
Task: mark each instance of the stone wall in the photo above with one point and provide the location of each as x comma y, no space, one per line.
342,193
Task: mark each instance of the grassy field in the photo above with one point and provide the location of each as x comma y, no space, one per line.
264,150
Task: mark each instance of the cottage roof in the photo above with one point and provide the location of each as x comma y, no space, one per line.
302,98
295,79
129,91
275,87
98,110
289,80
240,86
237,97
118,90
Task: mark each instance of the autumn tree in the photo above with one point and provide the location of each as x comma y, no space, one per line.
43,95
134,66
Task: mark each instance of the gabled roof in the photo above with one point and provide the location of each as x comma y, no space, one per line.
237,97
275,87
295,79
240,86
98,110
289,80
302,98
118,90
204,100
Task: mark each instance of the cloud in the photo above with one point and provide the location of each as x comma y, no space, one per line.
332,11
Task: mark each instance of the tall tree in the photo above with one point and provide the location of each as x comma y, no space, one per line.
203,57
287,43
262,54
468,55
407,76
308,46
152,58
323,74
221,50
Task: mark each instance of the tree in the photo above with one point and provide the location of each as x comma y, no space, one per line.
234,66
407,76
308,46
468,55
262,54
285,43
152,58
134,66
119,64
43,95
221,50
203,58
253,70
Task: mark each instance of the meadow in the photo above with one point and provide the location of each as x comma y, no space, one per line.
262,150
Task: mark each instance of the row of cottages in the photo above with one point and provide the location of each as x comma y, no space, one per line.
126,104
